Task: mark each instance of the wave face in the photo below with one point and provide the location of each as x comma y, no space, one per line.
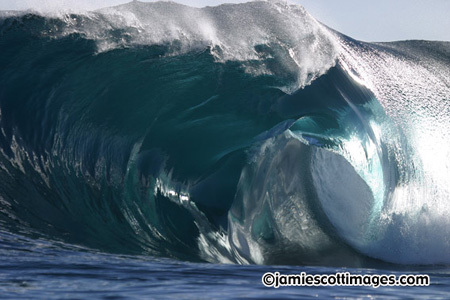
244,133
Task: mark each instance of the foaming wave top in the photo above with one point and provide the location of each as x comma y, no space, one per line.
257,32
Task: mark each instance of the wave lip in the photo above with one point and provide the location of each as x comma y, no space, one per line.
272,37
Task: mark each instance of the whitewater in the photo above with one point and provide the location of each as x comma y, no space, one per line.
157,136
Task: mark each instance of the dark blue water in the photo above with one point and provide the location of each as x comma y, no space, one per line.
160,151
41,269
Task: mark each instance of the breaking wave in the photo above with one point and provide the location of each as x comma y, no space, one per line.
245,133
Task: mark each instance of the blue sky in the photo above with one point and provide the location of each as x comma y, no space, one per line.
369,20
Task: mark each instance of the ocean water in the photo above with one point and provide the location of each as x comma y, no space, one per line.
41,269
154,150
45,270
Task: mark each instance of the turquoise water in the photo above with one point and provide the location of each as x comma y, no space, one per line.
155,149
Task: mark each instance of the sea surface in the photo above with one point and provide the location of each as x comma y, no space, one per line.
39,269
155,150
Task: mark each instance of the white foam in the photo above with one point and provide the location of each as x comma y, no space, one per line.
413,88
285,33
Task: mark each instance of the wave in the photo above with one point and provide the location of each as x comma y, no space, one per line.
244,133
